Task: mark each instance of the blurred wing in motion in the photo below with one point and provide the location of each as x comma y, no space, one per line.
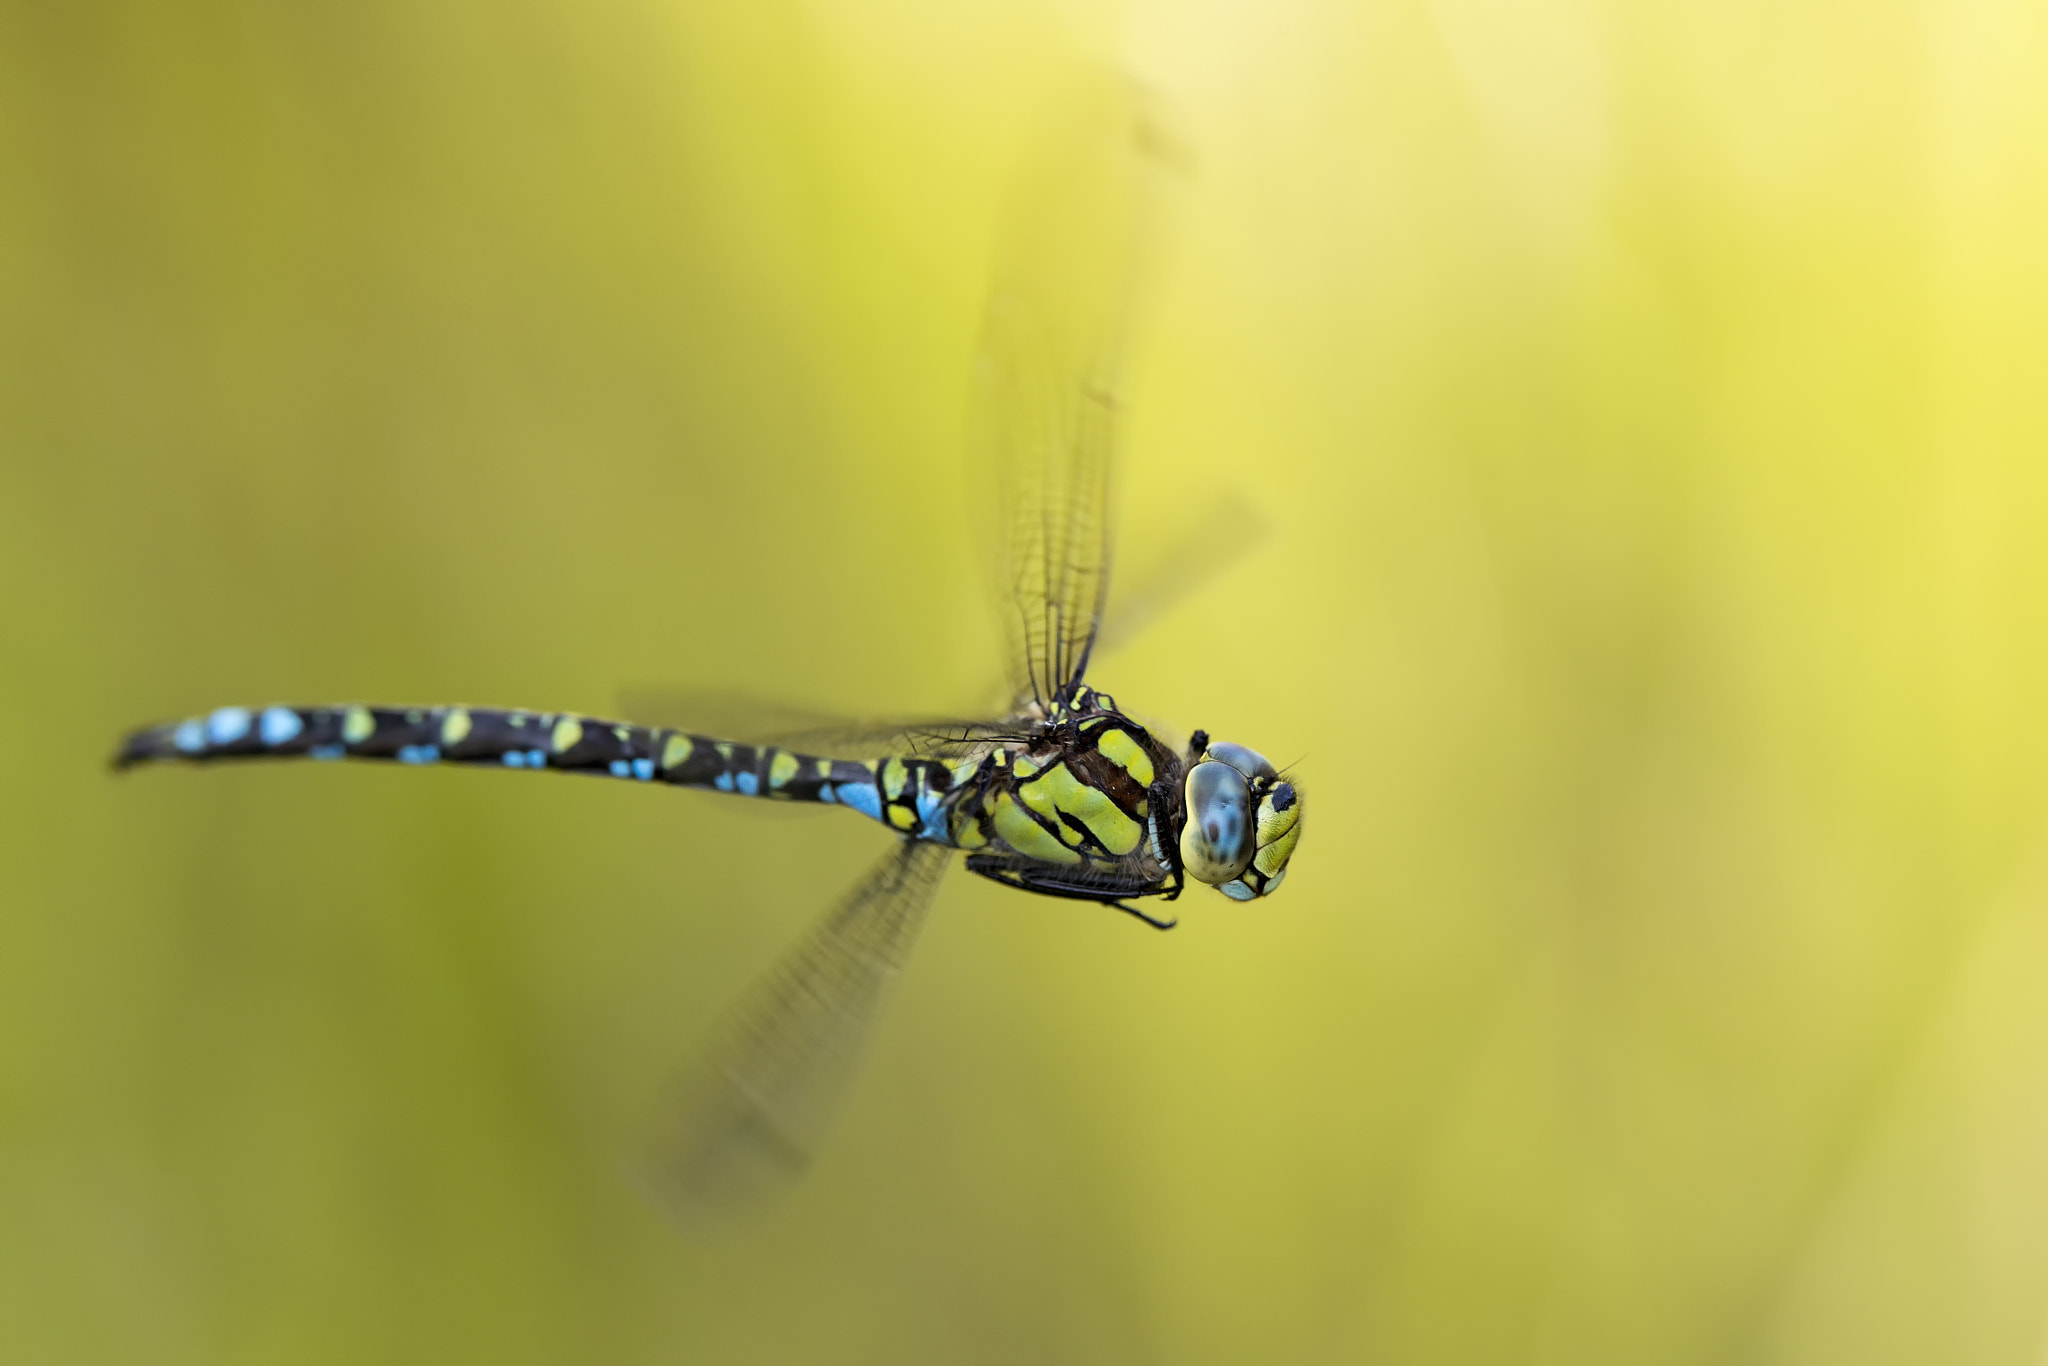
1047,378
765,721
1207,548
748,1120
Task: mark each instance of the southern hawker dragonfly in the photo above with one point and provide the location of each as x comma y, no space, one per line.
1065,796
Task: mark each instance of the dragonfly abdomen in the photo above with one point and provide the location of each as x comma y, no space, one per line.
902,793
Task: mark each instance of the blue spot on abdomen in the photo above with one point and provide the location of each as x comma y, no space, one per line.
227,725
748,784
279,725
931,812
862,797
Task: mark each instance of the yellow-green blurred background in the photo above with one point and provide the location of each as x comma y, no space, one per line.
1647,402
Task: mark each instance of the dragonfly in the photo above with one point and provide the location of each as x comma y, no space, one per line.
1065,795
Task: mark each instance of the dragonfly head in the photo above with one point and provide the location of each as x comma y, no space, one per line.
1243,820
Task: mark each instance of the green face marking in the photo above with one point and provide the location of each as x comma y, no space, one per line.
1278,831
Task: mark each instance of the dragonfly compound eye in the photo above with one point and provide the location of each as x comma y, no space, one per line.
1244,856
1216,842
1249,762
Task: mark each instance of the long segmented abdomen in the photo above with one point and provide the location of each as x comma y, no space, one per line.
905,794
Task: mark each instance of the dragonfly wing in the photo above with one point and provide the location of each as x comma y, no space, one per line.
1047,378
758,721
748,1119
1208,546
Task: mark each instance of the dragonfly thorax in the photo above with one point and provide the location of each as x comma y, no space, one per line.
1241,821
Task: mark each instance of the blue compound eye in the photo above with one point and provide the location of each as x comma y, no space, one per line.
1216,842
1254,765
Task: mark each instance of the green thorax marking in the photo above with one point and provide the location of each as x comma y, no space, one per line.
1078,790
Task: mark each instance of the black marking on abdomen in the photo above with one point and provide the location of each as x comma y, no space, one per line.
501,738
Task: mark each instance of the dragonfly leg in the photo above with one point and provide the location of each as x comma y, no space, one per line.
1154,921
1033,879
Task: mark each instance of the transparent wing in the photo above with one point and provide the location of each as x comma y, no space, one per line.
749,1117
1044,413
1208,546
765,721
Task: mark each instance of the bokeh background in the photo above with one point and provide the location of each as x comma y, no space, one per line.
1646,404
